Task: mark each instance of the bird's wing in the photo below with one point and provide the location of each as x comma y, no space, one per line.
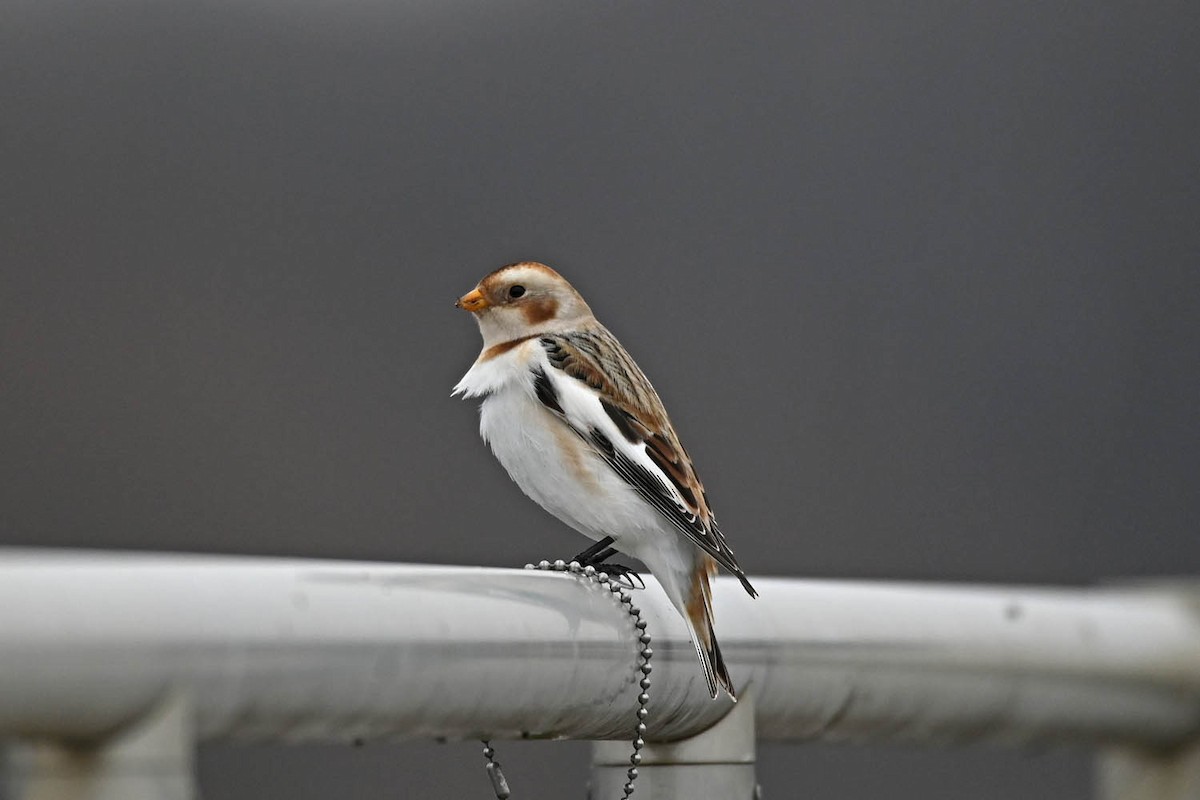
595,387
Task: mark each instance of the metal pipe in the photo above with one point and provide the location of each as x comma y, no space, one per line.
295,649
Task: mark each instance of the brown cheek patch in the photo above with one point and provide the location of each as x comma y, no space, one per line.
539,311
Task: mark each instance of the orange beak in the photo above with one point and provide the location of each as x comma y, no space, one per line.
472,301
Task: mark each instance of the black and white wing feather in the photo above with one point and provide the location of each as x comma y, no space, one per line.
594,386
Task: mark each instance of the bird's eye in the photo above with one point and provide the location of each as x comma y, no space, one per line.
516,291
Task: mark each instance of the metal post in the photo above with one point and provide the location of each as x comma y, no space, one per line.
717,764
1127,773
152,759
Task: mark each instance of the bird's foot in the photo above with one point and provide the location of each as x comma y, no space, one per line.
622,574
595,557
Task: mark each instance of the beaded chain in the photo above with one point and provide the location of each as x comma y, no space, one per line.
621,592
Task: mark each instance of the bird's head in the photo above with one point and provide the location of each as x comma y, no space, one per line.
524,299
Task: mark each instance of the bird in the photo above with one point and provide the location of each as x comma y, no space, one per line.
580,429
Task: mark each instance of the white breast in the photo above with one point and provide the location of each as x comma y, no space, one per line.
548,460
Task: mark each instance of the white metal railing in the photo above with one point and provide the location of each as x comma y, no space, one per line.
132,651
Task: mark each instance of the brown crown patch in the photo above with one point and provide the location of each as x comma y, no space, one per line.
536,266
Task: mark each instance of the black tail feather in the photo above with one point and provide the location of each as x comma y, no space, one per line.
715,671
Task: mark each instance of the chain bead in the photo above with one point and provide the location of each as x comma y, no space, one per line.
495,775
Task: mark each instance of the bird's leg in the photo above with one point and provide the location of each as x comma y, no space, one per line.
588,557
595,556
604,554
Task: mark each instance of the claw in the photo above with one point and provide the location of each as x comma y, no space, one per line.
624,575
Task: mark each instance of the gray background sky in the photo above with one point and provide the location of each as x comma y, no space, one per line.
917,281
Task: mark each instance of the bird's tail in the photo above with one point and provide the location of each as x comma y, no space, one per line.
697,608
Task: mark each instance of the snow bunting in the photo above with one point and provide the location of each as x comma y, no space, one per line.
581,430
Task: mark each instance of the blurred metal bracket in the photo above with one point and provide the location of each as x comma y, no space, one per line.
151,759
